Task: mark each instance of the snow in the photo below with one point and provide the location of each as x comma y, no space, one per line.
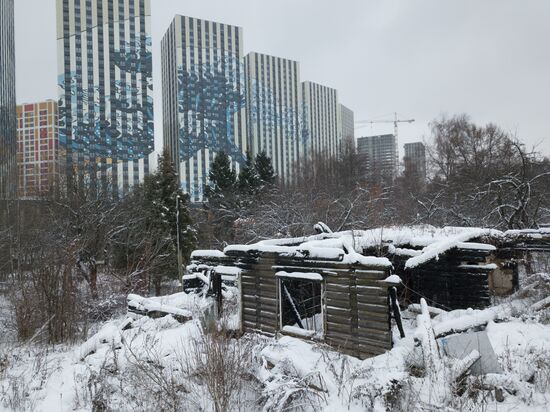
433,250
228,270
541,304
536,233
288,366
460,320
299,331
151,305
476,246
489,266
325,253
399,240
300,275
284,250
197,254
394,279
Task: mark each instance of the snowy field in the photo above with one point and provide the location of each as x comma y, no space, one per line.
138,363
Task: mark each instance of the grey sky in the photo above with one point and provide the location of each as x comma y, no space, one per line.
421,58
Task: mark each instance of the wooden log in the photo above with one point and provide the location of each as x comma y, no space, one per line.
372,299
377,324
371,290
367,307
375,316
339,328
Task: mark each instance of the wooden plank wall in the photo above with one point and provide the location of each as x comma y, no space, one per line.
355,302
260,309
451,286
357,312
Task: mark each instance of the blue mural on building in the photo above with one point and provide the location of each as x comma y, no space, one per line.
209,98
100,126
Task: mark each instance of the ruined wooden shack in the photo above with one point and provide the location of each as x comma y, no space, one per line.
530,248
457,278
453,268
328,294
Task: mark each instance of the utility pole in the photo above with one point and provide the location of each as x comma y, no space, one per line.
180,258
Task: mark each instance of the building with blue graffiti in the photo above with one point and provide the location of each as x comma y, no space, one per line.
203,98
105,90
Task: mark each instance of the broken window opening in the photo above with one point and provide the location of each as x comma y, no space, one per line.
301,305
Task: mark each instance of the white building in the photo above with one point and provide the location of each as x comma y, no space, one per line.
347,123
203,98
321,131
274,108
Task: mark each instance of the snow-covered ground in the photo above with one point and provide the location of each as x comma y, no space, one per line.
139,363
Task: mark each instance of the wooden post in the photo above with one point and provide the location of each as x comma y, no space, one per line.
396,312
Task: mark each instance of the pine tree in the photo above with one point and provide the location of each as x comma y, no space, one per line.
222,178
161,190
264,168
249,180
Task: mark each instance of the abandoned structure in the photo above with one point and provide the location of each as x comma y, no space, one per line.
330,294
340,288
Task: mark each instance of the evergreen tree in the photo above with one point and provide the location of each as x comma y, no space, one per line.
223,179
161,190
264,168
249,180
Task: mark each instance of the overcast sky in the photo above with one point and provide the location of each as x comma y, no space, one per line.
420,58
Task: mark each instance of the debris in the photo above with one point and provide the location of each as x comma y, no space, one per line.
148,307
462,347
416,308
541,304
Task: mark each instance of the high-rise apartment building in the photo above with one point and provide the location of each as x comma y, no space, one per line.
378,155
347,124
321,131
203,98
106,89
415,160
38,157
273,96
8,131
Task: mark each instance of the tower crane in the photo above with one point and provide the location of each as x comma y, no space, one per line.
363,123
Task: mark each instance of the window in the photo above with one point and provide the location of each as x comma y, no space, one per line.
300,303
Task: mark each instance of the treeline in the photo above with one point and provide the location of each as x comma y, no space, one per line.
477,176
70,259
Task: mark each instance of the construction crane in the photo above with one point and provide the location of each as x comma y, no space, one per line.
363,123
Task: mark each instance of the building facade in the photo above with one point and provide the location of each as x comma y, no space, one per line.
105,90
203,98
415,160
378,156
273,97
8,128
321,125
38,158
347,123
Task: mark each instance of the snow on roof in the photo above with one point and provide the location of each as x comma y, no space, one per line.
207,254
435,249
299,275
393,279
228,270
257,247
420,243
533,233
